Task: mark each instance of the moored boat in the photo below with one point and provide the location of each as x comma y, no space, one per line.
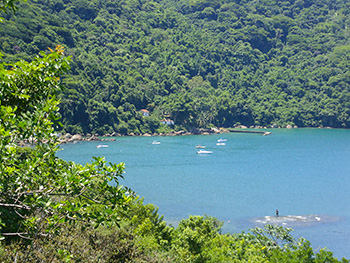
102,146
204,152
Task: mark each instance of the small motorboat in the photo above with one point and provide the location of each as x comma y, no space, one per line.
222,140
102,146
155,142
221,143
200,146
204,152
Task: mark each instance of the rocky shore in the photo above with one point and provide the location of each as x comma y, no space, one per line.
73,138
69,138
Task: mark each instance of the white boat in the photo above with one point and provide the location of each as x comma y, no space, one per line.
155,142
102,146
204,152
222,140
200,146
221,143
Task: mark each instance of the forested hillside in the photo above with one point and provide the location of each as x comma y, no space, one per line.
198,62
57,211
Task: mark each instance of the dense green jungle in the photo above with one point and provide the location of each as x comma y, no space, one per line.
201,63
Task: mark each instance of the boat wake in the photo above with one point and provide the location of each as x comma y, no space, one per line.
295,220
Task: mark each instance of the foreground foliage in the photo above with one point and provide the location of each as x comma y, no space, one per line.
144,237
40,192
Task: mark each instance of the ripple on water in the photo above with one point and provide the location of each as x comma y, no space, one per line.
295,220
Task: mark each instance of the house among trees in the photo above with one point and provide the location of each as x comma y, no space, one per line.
167,121
145,112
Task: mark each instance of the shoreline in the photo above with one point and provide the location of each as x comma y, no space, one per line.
69,138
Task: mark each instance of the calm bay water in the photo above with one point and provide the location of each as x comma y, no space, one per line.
304,173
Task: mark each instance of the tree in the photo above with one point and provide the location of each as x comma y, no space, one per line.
7,4
40,192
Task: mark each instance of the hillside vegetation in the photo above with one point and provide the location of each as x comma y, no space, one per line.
57,211
201,63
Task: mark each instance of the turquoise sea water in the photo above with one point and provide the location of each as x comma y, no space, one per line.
304,173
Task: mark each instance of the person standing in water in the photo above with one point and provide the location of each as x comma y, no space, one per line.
276,212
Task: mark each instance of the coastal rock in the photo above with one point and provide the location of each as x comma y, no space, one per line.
147,135
215,130
93,138
67,136
289,126
179,132
62,140
76,137
222,130
108,139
